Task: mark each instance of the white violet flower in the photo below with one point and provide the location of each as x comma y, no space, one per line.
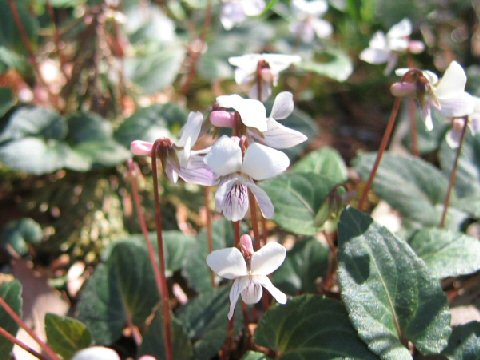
473,122
250,276
307,20
236,11
270,65
385,48
237,175
179,159
96,353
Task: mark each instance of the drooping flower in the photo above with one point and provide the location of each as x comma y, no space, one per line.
385,48
268,65
307,21
178,159
253,115
447,95
454,135
250,276
236,11
237,175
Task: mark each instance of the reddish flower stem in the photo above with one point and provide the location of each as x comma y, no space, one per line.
19,343
259,80
133,172
236,233
264,232
161,255
254,219
381,150
208,197
413,126
453,174
51,354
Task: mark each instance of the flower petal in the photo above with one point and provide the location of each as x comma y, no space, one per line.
238,286
313,8
264,202
281,137
401,30
280,62
228,263
197,172
267,284
252,112
262,162
225,156
231,199
453,138
282,106
453,81
191,129
375,56
322,28
457,106
267,259
140,147
253,7
252,293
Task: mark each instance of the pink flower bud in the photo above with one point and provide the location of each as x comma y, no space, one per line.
403,89
140,147
222,118
267,75
416,46
246,246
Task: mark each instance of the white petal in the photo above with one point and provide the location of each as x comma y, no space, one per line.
197,172
253,114
427,117
225,156
281,137
252,293
391,63
232,14
96,353
262,162
238,286
264,202
229,101
267,284
402,29
457,106
378,41
253,7
453,81
375,56
401,71
267,259
231,199
191,130
282,106
314,8
266,91
398,45
171,169
279,62
228,263
322,28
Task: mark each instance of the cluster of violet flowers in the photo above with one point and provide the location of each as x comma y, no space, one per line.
235,164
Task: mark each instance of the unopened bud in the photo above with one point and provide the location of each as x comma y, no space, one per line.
402,89
246,246
416,46
140,147
222,118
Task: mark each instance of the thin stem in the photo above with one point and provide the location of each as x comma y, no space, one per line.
133,172
161,255
254,219
413,126
236,231
264,232
51,354
259,80
31,52
19,343
453,174
208,198
381,150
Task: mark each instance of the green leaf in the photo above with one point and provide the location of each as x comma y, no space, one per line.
409,184
338,67
19,234
427,141
298,198
310,327
10,59
447,253
10,35
124,287
389,293
325,162
464,344
34,122
151,123
156,69
205,321
6,100
253,355
105,153
36,156
65,335
84,127
11,292
154,344
305,263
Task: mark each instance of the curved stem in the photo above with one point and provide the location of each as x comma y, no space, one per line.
208,196
413,126
51,354
254,219
19,343
381,150
453,174
161,255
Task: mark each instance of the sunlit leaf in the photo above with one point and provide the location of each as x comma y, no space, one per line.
10,292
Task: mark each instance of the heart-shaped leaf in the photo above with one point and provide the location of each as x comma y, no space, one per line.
66,336
389,293
325,162
310,327
447,253
11,292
